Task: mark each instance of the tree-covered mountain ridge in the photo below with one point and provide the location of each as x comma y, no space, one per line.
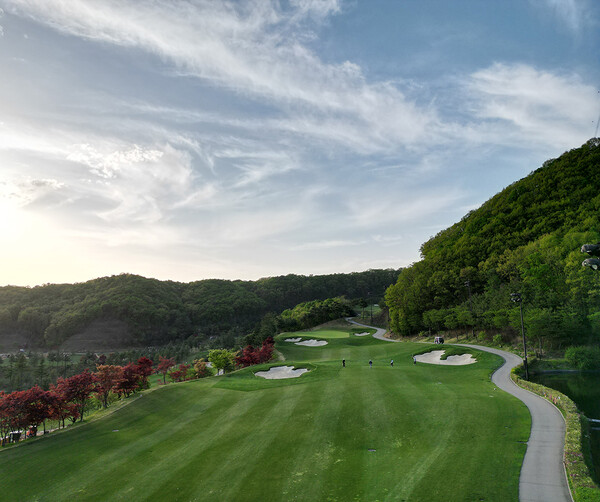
526,239
130,310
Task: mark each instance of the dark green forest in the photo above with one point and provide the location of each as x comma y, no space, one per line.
525,239
159,312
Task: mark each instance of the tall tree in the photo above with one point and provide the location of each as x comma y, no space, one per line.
107,376
78,389
164,365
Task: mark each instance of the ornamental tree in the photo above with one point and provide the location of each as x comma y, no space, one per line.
222,359
144,370
164,365
36,407
60,408
201,368
180,374
251,356
129,381
107,377
77,389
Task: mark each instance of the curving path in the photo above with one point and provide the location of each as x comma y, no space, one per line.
379,334
543,477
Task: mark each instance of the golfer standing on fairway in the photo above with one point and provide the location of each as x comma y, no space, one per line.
370,363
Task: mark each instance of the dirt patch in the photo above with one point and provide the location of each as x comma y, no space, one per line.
337,323
12,342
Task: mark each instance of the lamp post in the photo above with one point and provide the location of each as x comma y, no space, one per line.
516,297
591,250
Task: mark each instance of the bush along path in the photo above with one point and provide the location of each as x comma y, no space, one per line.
543,477
577,454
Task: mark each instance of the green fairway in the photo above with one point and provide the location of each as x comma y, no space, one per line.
407,432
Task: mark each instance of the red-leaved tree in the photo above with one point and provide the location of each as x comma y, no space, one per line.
180,374
8,415
107,377
251,356
77,389
201,369
144,370
61,409
36,408
129,381
164,365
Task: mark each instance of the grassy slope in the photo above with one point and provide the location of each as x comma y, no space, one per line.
440,433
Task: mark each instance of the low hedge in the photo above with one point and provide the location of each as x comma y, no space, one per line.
577,455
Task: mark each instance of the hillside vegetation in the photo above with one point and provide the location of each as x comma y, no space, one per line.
138,311
525,239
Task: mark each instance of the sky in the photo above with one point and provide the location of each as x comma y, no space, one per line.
186,140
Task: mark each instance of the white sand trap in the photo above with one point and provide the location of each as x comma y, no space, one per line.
312,343
281,372
292,339
361,334
434,357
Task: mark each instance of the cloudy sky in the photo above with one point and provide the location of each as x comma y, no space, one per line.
194,139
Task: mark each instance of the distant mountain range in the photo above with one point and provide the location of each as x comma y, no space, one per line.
128,310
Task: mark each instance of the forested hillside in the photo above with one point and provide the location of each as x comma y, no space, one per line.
525,239
156,312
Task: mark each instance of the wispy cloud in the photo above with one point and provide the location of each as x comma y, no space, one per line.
520,103
251,48
223,130
573,14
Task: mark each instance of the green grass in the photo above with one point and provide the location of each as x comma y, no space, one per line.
439,434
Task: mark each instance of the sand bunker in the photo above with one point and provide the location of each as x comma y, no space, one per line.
434,357
312,343
361,334
292,339
281,372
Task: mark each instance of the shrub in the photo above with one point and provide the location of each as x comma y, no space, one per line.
498,339
583,358
481,336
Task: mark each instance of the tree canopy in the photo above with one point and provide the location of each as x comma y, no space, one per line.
527,238
157,312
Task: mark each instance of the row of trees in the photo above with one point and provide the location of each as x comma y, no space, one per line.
23,370
525,239
70,397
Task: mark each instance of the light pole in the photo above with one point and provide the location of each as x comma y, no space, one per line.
516,297
591,250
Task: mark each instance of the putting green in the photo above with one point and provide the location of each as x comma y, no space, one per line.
407,432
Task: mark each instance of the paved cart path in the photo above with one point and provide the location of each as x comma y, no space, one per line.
543,477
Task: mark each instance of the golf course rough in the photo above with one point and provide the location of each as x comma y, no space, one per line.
408,432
